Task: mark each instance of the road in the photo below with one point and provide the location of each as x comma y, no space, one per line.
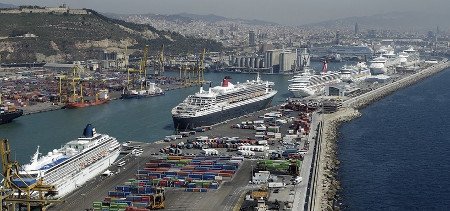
302,188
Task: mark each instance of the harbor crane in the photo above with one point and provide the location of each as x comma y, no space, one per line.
160,70
201,69
74,77
142,71
22,191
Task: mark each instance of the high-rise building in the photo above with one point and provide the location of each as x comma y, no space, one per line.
356,29
338,37
251,38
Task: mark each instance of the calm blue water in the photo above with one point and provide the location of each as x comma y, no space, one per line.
396,156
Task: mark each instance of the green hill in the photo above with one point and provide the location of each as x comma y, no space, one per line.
67,37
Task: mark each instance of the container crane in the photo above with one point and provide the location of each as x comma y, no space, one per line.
161,61
21,190
143,66
202,68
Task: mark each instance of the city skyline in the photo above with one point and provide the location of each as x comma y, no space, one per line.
286,12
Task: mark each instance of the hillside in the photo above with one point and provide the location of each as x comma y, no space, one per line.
2,5
67,37
188,17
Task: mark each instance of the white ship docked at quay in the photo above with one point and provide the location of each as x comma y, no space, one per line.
355,73
223,102
387,60
308,84
75,163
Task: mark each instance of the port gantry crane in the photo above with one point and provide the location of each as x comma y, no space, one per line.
160,62
201,69
142,69
75,77
19,189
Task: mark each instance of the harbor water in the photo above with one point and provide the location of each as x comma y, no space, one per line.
145,120
395,157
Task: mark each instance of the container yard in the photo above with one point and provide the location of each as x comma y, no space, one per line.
191,174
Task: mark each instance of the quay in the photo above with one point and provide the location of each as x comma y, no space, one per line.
229,196
116,95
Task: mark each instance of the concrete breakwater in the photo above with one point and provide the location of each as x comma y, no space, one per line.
327,184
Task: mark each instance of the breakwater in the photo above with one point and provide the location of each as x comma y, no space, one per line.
327,184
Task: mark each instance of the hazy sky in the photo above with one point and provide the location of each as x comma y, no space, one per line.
289,12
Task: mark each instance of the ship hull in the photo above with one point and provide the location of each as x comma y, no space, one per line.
81,177
186,123
305,92
86,104
138,96
7,117
377,71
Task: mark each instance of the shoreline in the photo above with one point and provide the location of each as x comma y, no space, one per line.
49,106
327,186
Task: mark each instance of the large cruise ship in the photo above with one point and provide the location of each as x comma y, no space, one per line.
309,84
378,66
355,73
75,163
221,103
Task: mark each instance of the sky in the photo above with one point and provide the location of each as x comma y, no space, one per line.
287,12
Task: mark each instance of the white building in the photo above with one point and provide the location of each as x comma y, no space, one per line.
261,177
287,61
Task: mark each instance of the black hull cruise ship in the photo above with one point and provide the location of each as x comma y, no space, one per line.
221,103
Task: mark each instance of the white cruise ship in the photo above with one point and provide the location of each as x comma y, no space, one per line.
75,163
308,84
221,103
377,66
355,73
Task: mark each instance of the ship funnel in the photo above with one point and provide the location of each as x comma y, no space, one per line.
89,131
324,66
225,81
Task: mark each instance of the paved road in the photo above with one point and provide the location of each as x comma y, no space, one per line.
301,189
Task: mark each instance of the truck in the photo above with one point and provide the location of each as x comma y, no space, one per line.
276,184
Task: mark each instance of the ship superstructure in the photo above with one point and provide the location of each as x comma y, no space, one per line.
223,102
307,83
355,73
75,163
